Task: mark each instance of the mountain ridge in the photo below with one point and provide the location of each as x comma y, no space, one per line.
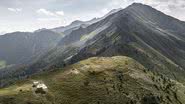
134,56
150,40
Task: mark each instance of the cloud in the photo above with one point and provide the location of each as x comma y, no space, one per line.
50,13
49,18
173,8
105,11
15,9
61,13
45,12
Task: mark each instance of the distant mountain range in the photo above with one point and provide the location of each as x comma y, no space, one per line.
77,24
17,47
155,40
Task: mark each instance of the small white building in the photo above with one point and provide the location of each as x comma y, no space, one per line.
35,83
39,84
43,86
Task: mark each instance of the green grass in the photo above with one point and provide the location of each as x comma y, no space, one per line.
98,81
2,64
87,36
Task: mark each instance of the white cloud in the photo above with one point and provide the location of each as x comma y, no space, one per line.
105,11
61,13
15,9
45,12
49,18
11,9
173,8
50,13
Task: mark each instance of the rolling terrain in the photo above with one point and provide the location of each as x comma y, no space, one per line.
98,80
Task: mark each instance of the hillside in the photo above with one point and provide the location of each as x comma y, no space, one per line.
155,40
98,80
144,34
20,47
139,31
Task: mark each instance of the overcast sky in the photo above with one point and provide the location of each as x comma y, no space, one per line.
29,15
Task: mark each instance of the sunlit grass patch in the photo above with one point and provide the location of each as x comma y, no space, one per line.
2,64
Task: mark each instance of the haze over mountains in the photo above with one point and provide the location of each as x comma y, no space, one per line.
153,39
17,47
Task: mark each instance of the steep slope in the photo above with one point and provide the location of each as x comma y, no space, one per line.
35,52
18,47
138,31
144,34
69,45
113,80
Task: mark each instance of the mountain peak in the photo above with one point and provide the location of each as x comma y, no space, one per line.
139,5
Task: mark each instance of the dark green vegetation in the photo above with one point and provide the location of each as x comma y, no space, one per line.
116,80
153,39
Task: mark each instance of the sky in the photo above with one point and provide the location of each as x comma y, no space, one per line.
30,15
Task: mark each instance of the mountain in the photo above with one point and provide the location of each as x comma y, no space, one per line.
98,80
155,40
134,55
140,32
78,24
19,47
64,29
